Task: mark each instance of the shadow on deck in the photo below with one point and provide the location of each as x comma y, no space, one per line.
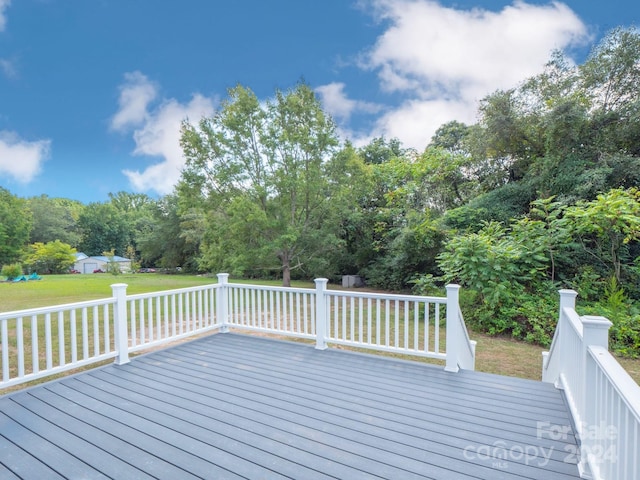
238,406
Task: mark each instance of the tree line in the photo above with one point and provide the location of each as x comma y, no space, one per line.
541,193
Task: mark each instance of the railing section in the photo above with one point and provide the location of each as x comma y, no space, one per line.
603,399
611,441
404,324
276,310
392,323
44,341
160,317
40,342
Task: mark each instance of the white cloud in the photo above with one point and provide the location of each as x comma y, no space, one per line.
20,159
415,121
135,96
338,105
4,4
8,68
442,47
156,131
443,60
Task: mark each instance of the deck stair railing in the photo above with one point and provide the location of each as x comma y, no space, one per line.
603,399
40,342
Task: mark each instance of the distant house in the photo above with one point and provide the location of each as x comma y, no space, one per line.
86,264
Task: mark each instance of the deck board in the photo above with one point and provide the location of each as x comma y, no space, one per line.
239,406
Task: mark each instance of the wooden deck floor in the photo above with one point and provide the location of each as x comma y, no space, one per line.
238,406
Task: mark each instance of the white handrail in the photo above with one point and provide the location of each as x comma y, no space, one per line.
43,310
468,360
158,318
611,446
603,399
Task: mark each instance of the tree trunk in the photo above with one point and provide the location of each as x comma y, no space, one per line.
285,258
286,274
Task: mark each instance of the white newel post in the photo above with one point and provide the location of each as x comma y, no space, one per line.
321,313
595,332
567,300
120,324
454,328
222,307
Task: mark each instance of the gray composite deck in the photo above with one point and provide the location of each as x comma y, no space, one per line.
240,406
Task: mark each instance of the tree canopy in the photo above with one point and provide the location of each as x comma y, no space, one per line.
15,225
262,173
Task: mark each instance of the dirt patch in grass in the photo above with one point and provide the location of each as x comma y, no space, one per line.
632,366
506,356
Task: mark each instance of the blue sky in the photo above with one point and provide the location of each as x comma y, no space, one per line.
92,92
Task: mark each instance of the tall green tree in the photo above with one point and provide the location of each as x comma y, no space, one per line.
259,170
452,137
137,211
15,226
174,240
571,132
379,150
103,227
54,219
394,235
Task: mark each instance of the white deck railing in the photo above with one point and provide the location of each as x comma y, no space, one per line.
44,341
603,399
160,317
404,324
277,310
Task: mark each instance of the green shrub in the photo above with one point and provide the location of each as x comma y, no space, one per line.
493,262
528,316
51,257
587,282
113,267
13,270
503,274
425,284
624,334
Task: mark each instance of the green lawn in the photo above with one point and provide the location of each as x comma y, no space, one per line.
60,289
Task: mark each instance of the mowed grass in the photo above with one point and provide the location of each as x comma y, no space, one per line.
500,355
61,289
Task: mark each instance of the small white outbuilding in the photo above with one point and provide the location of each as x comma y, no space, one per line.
86,264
